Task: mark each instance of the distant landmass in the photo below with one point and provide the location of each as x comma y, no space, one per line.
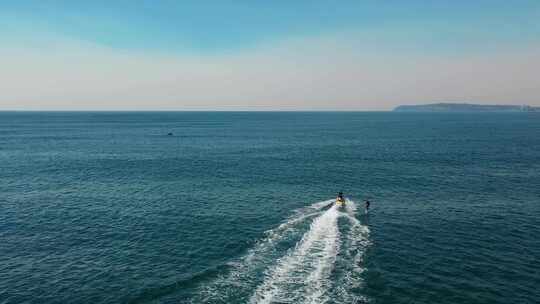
465,107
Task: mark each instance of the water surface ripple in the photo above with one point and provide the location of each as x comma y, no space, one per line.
105,207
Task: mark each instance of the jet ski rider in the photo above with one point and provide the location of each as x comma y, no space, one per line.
340,197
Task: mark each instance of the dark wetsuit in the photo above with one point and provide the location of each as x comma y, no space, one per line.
367,205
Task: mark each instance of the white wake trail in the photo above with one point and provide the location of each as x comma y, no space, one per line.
246,270
301,276
324,265
356,242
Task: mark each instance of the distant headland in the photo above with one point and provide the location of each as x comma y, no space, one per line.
465,107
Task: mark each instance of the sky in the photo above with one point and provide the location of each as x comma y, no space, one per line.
267,55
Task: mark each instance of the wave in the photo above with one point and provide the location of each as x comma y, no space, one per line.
312,257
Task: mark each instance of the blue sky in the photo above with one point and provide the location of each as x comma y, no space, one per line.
215,26
202,34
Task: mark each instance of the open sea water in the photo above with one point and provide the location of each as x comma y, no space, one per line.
236,207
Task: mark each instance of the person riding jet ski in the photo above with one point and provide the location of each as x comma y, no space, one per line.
340,199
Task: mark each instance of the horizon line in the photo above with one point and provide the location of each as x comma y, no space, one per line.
188,110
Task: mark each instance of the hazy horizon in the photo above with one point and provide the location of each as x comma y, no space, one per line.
314,56
234,109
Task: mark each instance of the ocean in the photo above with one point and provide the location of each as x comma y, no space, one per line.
236,207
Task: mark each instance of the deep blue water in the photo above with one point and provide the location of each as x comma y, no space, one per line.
234,207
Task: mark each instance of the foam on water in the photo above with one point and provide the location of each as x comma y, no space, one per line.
284,230
350,281
299,273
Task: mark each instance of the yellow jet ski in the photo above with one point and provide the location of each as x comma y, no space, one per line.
340,200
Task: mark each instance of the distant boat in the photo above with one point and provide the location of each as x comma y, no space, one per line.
170,134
